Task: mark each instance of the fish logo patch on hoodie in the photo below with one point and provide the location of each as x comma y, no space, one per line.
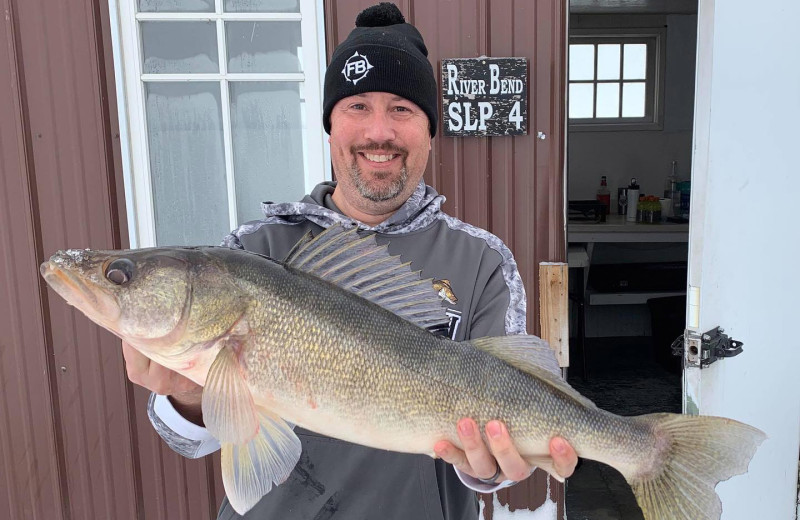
445,291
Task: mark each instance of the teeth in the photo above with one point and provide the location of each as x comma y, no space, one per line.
378,158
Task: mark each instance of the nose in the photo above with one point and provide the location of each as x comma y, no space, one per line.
380,128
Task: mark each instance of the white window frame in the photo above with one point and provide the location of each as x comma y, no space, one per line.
131,102
655,38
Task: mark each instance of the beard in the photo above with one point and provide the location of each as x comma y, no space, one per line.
378,191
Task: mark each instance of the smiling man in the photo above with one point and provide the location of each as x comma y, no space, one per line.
380,109
379,148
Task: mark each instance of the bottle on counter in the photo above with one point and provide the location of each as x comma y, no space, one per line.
671,190
604,195
633,200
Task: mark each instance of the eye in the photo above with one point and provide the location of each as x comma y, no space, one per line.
120,271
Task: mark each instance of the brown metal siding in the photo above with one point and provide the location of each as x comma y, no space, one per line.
30,471
75,442
512,186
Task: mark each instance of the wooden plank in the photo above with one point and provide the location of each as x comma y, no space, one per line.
554,308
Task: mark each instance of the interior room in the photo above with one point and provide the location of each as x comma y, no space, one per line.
630,106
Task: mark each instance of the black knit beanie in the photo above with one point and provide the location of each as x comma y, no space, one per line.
382,54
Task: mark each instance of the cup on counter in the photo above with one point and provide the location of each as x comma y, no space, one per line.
666,208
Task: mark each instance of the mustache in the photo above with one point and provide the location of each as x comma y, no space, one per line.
379,147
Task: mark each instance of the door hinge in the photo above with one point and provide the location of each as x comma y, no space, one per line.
700,350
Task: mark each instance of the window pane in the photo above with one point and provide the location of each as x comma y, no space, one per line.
179,47
608,100
581,100
268,121
608,61
581,62
176,6
633,100
635,61
262,6
264,46
187,165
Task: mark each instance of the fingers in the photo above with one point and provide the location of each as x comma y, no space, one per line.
137,365
481,460
452,455
511,462
564,457
157,378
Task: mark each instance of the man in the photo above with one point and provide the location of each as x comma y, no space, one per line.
380,109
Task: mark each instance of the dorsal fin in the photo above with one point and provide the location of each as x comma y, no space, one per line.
361,266
533,355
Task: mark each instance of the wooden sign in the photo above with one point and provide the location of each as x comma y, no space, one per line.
485,96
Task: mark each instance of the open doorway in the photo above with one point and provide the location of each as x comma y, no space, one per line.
631,99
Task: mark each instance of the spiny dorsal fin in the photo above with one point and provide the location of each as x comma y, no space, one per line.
533,355
361,266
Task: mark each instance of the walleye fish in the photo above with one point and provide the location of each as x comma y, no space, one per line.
334,339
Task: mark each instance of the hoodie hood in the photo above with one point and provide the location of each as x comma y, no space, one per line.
418,212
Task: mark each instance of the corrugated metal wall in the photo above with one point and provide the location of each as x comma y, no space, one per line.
74,439
512,186
75,442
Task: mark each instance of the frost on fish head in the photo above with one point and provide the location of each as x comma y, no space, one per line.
167,302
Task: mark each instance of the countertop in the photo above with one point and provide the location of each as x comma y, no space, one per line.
618,229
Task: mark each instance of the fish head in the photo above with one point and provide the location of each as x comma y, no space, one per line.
137,294
163,301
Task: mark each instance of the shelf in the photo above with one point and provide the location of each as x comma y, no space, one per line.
629,298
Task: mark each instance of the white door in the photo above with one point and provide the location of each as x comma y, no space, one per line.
745,240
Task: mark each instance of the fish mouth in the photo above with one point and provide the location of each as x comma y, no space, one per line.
97,303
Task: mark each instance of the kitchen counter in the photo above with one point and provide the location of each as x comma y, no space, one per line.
617,229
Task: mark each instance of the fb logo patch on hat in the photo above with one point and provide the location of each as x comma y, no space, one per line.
356,68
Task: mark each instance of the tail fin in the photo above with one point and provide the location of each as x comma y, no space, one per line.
700,452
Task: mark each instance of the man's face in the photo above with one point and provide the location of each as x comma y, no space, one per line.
379,148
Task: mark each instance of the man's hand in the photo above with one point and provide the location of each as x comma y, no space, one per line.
480,461
184,394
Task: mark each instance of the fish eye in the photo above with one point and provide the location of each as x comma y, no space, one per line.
120,271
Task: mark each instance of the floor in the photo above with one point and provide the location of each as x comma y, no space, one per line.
626,379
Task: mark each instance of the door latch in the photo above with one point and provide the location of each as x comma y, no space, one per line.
703,349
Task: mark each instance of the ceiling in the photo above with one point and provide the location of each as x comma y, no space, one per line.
633,6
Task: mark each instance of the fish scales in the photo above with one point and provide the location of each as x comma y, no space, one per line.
359,371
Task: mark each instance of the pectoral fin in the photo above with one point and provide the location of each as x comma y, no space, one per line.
249,471
259,450
228,409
